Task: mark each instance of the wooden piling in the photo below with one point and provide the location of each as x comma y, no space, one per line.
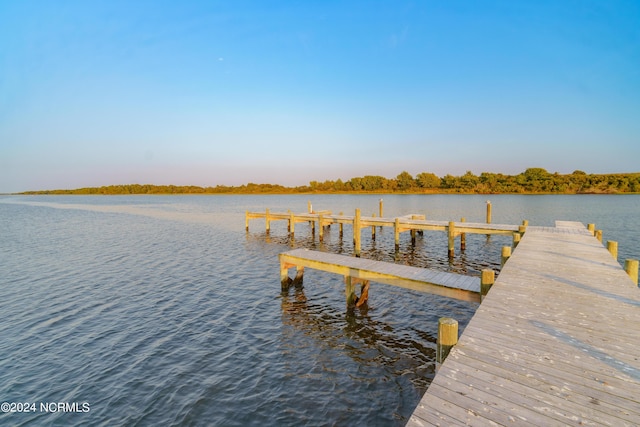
373,229
320,228
488,212
267,221
285,281
309,207
292,224
463,237
525,222
486,282
451,229
612,247
350,291
599,235
341,228
356,232
591,228
516,239
381,209
631,267
447,338
506,254
396,233
246,220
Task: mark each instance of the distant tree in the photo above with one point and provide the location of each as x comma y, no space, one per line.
427,180
405,181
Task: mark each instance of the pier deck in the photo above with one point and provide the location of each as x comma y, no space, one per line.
420,279
555,342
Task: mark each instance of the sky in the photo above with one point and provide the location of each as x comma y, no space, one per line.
209,93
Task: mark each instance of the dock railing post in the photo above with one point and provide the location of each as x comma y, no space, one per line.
447,338
356,232
612,247
599,235
631,267
486,282
506,254
591,228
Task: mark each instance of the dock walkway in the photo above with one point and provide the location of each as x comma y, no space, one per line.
555,342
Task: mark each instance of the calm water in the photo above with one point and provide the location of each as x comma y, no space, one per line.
159,310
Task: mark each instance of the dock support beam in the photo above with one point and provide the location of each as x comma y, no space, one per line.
486,282
447,338
631,267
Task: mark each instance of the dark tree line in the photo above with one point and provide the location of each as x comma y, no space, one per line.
532,180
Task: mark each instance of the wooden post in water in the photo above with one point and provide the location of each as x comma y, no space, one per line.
373,229
396,233
267,221
341,227
350,290
631,267
486,282
591,228
309,207
320,227
506,254
525,222
246,220
599,235
488,212
299,275
447,338
285,281
356,232
292,224
381,209
463,237
451,229
613,248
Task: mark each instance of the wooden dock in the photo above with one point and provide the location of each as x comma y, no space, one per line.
408,223
358,270
555,342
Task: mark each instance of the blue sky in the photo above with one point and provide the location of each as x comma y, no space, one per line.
229,92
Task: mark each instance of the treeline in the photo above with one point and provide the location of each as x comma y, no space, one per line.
532,180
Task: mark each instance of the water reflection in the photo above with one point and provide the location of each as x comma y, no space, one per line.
358,335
